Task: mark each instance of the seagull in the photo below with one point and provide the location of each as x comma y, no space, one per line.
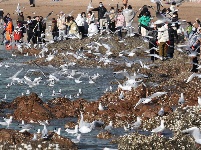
192,76
136,124
77,80
126,129
7,122
155,55
199,101
44,131
101,107
26,127
72,131
33,83
148,99
89,6
14,77
58,131
161,112
49,57
34,137
145,66
109,127
160,128
85,129
195,132
82,122
106,148
91,81
77,140
181,99
121,96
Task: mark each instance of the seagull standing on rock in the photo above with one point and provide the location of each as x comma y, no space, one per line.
181,99
160,128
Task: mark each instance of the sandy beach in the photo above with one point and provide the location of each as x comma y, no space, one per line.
187,11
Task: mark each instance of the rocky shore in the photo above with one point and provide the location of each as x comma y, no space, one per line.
165,76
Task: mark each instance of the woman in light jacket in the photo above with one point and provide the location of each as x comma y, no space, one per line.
73,28
129,15
61,25
120,20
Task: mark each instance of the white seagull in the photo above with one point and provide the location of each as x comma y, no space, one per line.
195,132
160,128
149,98
72,131
136,124
181,99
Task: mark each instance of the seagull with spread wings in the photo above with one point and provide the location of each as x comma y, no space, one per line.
149,98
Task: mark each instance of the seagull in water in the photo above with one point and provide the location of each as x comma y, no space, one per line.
77,140
181,99
72,131
149,98
160,128
6,122
109,127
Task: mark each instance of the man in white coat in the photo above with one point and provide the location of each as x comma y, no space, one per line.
61,24
129,15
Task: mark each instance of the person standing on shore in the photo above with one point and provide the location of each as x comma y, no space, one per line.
29,28
120,20
61,24
101,16
32,3
54,29
125,3
163,38
129,15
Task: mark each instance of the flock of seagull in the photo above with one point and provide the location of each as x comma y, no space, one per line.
132,81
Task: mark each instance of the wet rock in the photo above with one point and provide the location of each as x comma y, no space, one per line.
11,139
30,108
105,135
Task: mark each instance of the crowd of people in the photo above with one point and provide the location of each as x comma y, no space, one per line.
163,33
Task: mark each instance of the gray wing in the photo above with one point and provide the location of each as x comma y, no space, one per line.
157,94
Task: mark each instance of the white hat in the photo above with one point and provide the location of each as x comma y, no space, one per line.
61,12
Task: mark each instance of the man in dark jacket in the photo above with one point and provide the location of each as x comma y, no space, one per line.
29,28
153,32
101,15
37,30
172,32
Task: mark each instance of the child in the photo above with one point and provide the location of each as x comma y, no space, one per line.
17,34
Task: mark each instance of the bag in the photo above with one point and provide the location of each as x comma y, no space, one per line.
17,36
